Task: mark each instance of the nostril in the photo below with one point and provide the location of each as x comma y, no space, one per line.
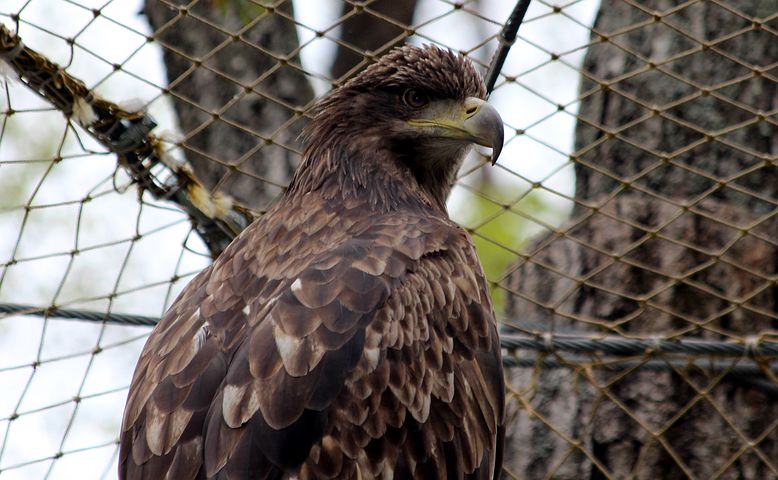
471,111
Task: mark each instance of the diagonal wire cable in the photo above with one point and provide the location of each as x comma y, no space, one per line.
507,37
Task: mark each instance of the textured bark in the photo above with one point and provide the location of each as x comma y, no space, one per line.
237,104
368,32
648,265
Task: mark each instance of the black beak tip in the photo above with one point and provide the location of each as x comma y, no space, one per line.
497,145
485,127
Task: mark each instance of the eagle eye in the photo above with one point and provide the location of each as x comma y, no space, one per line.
414,98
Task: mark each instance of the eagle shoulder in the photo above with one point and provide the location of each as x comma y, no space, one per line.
262,358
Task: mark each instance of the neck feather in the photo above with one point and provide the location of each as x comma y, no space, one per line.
367,166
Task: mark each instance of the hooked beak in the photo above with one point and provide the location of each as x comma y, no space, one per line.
473,120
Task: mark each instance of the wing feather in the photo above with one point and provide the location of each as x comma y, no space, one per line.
358,355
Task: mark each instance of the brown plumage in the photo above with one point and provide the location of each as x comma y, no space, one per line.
348,333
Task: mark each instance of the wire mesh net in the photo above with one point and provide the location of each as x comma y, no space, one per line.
628,231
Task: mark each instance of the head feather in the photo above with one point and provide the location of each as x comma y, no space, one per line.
437,70
357,128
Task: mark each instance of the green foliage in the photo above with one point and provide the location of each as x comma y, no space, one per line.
497,219
244,10
18,180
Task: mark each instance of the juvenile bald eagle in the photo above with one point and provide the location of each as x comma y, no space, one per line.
348,333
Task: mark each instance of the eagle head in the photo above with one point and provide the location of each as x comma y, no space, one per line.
420,107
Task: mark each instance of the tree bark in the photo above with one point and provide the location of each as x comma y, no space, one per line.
370,32
673,236
238,97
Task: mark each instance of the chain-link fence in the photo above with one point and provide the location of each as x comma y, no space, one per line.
628,231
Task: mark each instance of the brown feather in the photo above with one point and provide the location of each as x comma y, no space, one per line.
348,333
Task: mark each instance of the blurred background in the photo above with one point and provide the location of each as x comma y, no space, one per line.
636,198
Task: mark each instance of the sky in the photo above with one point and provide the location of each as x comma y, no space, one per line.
116,253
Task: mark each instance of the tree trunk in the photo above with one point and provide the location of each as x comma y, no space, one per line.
238,93
370,32
673,236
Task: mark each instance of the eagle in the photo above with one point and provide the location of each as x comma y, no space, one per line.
348,333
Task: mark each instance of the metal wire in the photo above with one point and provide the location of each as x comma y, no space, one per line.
128,134
742,369
507,38
632,346
76,314
646,367
746,373
547,342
